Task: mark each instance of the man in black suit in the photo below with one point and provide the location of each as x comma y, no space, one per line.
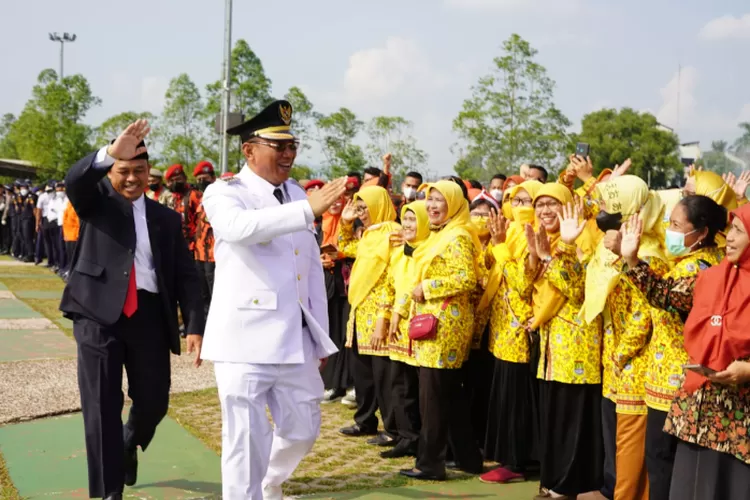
130,270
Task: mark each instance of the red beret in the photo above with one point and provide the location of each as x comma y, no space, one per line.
352,183
314,183
203,167
174,170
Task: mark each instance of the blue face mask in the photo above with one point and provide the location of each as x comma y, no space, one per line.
676,243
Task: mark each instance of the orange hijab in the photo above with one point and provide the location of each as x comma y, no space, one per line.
330,228
716,330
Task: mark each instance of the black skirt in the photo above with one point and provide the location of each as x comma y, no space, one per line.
337,373
572,451
705,474
513,417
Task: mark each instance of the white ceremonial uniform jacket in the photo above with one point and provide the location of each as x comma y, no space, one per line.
268,274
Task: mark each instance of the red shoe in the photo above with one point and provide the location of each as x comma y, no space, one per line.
501,475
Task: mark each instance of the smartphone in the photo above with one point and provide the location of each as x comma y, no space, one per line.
582,150
700,369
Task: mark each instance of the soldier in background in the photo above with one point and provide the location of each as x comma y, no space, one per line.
155,184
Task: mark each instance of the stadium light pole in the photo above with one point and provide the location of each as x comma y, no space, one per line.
65,38
226,91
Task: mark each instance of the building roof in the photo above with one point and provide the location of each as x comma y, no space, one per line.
17,168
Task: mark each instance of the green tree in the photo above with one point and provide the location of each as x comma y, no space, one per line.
49,132
250,93
180,129
7,146
615,136
511,118
741,146
717,160
393,134
300,171
114,125
337,133
303,118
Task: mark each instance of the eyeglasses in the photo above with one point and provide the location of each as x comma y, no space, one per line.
552,205
279,146
524,202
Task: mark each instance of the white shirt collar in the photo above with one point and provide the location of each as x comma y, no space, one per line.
140,204
266,185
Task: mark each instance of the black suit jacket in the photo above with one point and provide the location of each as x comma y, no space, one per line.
104,256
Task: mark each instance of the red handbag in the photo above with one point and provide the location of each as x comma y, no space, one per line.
424,326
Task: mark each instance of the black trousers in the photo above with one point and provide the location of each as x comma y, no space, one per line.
405,400
138,343
661,449
6,237
446,420
609,437
59,246
206,272
28,232
70,247
372,385
16,246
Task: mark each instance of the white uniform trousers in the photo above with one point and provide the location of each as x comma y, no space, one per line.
255,455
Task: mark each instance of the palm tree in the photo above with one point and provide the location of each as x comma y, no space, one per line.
743,142
719,146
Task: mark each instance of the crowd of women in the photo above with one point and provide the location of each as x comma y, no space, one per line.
548,331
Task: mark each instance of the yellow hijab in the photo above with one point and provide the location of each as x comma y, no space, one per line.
547,299
515,240
712,185
459,224
628,195
403,268
373,250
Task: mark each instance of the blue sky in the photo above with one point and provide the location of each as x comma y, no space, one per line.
414,58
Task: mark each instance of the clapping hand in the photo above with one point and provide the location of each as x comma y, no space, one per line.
349,213
126,146
631,240
738,184
498,226
571,225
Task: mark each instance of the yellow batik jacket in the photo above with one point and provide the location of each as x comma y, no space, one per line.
449,282
509,314
376,305
666,353
570,350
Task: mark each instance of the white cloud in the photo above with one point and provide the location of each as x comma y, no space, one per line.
542,6
378,74
153,89
678,102
727,28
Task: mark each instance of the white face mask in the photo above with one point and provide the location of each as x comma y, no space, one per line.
60,194
24,192
410,193
497,194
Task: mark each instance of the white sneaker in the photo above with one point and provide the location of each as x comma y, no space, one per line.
350,399
274,493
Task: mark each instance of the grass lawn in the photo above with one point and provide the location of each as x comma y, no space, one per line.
336,463
7,490
31,283
39,279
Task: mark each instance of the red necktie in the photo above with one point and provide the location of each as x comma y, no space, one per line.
131,299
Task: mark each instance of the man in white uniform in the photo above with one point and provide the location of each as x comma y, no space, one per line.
268,323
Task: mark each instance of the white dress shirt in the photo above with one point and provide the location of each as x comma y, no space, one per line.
309,215
55,208
42,203
145,272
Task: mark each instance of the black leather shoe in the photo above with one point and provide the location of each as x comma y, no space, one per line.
113,496
356,431
402,449
131,467
383,439
418,474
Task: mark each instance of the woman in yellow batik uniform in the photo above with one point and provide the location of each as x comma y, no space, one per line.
691,240
512,435
627,323
478,366
447,276
569,366
415,228
371,299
